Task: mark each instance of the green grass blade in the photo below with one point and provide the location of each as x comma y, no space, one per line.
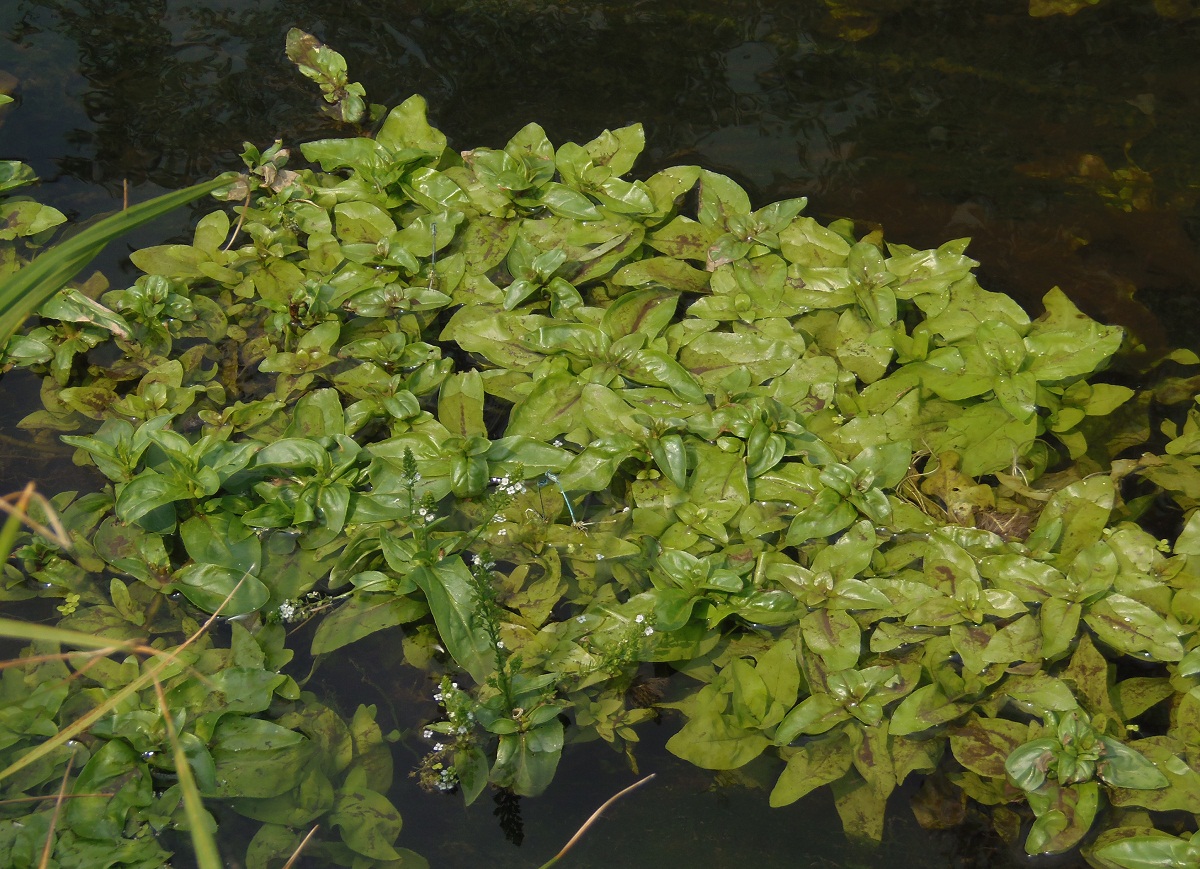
8,535
15,630
205,847
24,292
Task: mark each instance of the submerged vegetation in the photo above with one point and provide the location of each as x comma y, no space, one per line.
569,432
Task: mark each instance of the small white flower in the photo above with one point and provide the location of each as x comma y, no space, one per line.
499,644
287,611
438,697
428,734
649,630
599,556
581,619
437,746
503,532
639,618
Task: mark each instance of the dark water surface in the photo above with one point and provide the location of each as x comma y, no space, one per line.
1065,146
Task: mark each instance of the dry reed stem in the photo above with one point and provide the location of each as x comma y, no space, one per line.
595,816
296,854
15,800
48,848
55,532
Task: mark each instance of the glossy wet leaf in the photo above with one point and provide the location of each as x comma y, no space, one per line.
212,587
1064,816
1146,850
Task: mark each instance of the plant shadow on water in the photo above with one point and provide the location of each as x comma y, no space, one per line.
927,120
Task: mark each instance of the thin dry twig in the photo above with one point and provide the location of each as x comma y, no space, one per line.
48,848
296,854
17,507
595,816
240,221
60,656
16,800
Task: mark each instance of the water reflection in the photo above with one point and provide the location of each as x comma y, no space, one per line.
1064,145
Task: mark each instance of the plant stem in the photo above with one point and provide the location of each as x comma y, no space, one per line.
595,815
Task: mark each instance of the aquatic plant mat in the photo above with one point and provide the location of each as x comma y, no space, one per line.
561,434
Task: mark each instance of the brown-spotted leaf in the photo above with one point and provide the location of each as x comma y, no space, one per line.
983,744
813,765
872,757
861,809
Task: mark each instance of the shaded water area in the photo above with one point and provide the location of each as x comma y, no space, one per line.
1065,146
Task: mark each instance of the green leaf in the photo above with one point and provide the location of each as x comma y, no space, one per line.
460,404
147,492
1133,628
317,414
924,708
720,199
1153,850
209,586
834,635
448,589
526,761
257,758
828,514
361,616
406,129
369,823
1064,344
710,741
1026,765
860,807
222,539
815,714
813,765
1124,767
983,745
117,772
562,201
1064,818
